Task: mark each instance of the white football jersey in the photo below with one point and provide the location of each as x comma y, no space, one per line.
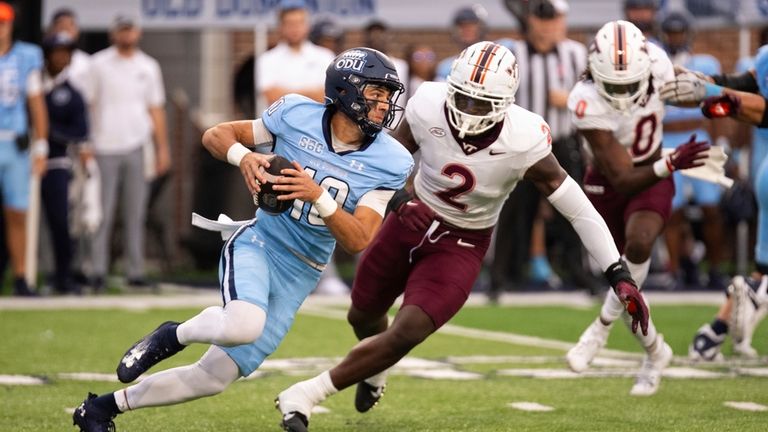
638,129
467,185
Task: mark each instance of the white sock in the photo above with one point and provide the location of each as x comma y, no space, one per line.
612,308
379,379
647,342
209,376
238,323
639,271
304,395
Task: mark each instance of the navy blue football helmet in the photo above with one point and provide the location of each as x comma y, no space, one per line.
347,76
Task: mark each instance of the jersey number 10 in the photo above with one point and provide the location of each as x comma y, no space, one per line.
337,188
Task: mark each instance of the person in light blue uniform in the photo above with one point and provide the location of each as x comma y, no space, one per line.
744,96
21,102
344,173
679,125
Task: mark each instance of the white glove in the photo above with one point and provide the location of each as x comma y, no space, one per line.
687,87
91,198
713,169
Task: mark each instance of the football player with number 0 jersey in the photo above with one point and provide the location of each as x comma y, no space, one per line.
475,145
617,108
344,173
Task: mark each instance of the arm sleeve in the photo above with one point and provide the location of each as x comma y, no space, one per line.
377,200
744,81
574,205
34,83
262,137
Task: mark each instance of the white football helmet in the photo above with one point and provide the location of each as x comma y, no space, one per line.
619,64
481,86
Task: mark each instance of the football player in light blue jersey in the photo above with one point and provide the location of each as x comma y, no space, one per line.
743,96
20,93
679,124
344,173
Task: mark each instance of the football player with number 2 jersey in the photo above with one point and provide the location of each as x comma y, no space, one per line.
475,145
344,173
617,108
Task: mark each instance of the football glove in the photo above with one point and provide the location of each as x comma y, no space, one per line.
687,87
415,215
689,155
626,290
725,105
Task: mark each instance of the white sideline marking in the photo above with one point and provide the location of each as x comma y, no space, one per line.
758,372
443,374
746,406
530,406
672,372
20,380
89,376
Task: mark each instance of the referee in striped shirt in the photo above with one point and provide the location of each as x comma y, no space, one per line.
550,65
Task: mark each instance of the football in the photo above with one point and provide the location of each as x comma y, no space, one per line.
266,199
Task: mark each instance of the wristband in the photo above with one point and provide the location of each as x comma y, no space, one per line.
663,168
325,204
236,153
712,90
40,147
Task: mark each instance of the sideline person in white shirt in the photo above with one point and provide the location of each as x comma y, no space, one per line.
128,115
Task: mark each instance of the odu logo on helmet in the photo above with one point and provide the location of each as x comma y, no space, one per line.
352,60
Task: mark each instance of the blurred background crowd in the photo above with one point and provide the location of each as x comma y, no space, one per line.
129,87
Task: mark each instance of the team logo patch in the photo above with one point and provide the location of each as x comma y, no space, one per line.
353,60
437,131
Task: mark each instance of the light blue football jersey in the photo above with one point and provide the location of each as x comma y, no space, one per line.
15,67
301,128
705,64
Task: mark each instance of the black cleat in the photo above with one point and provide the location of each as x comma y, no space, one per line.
149,351
367,396
293,421
90,419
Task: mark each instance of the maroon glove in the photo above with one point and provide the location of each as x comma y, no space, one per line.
688,155
626,290
725,105
415,215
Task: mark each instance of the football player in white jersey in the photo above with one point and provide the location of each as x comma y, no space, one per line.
475,146
616,107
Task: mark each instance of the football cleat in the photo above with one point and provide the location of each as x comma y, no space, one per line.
591,341
367,396
745,350
749,306
293,421
89,419
706,345
149,351
649,377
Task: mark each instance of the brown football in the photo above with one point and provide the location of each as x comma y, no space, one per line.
266,199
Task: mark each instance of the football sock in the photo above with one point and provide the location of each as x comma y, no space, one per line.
612,308
106,404
648,342
209,376
238,323
639,271
319,387
719,326
379,379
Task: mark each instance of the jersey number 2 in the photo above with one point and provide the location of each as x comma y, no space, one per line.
468,183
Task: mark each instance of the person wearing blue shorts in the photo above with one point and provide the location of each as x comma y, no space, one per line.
21,101
344,173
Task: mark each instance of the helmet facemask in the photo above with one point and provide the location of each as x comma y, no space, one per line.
473,113
622,95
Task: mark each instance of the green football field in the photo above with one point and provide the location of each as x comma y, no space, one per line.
466,378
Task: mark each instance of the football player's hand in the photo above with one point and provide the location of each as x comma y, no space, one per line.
297,184
415,215
688,155
687,88
725,105
626,290
252,168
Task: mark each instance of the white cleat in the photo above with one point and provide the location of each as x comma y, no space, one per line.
749,307
745,350
591,341
649,377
